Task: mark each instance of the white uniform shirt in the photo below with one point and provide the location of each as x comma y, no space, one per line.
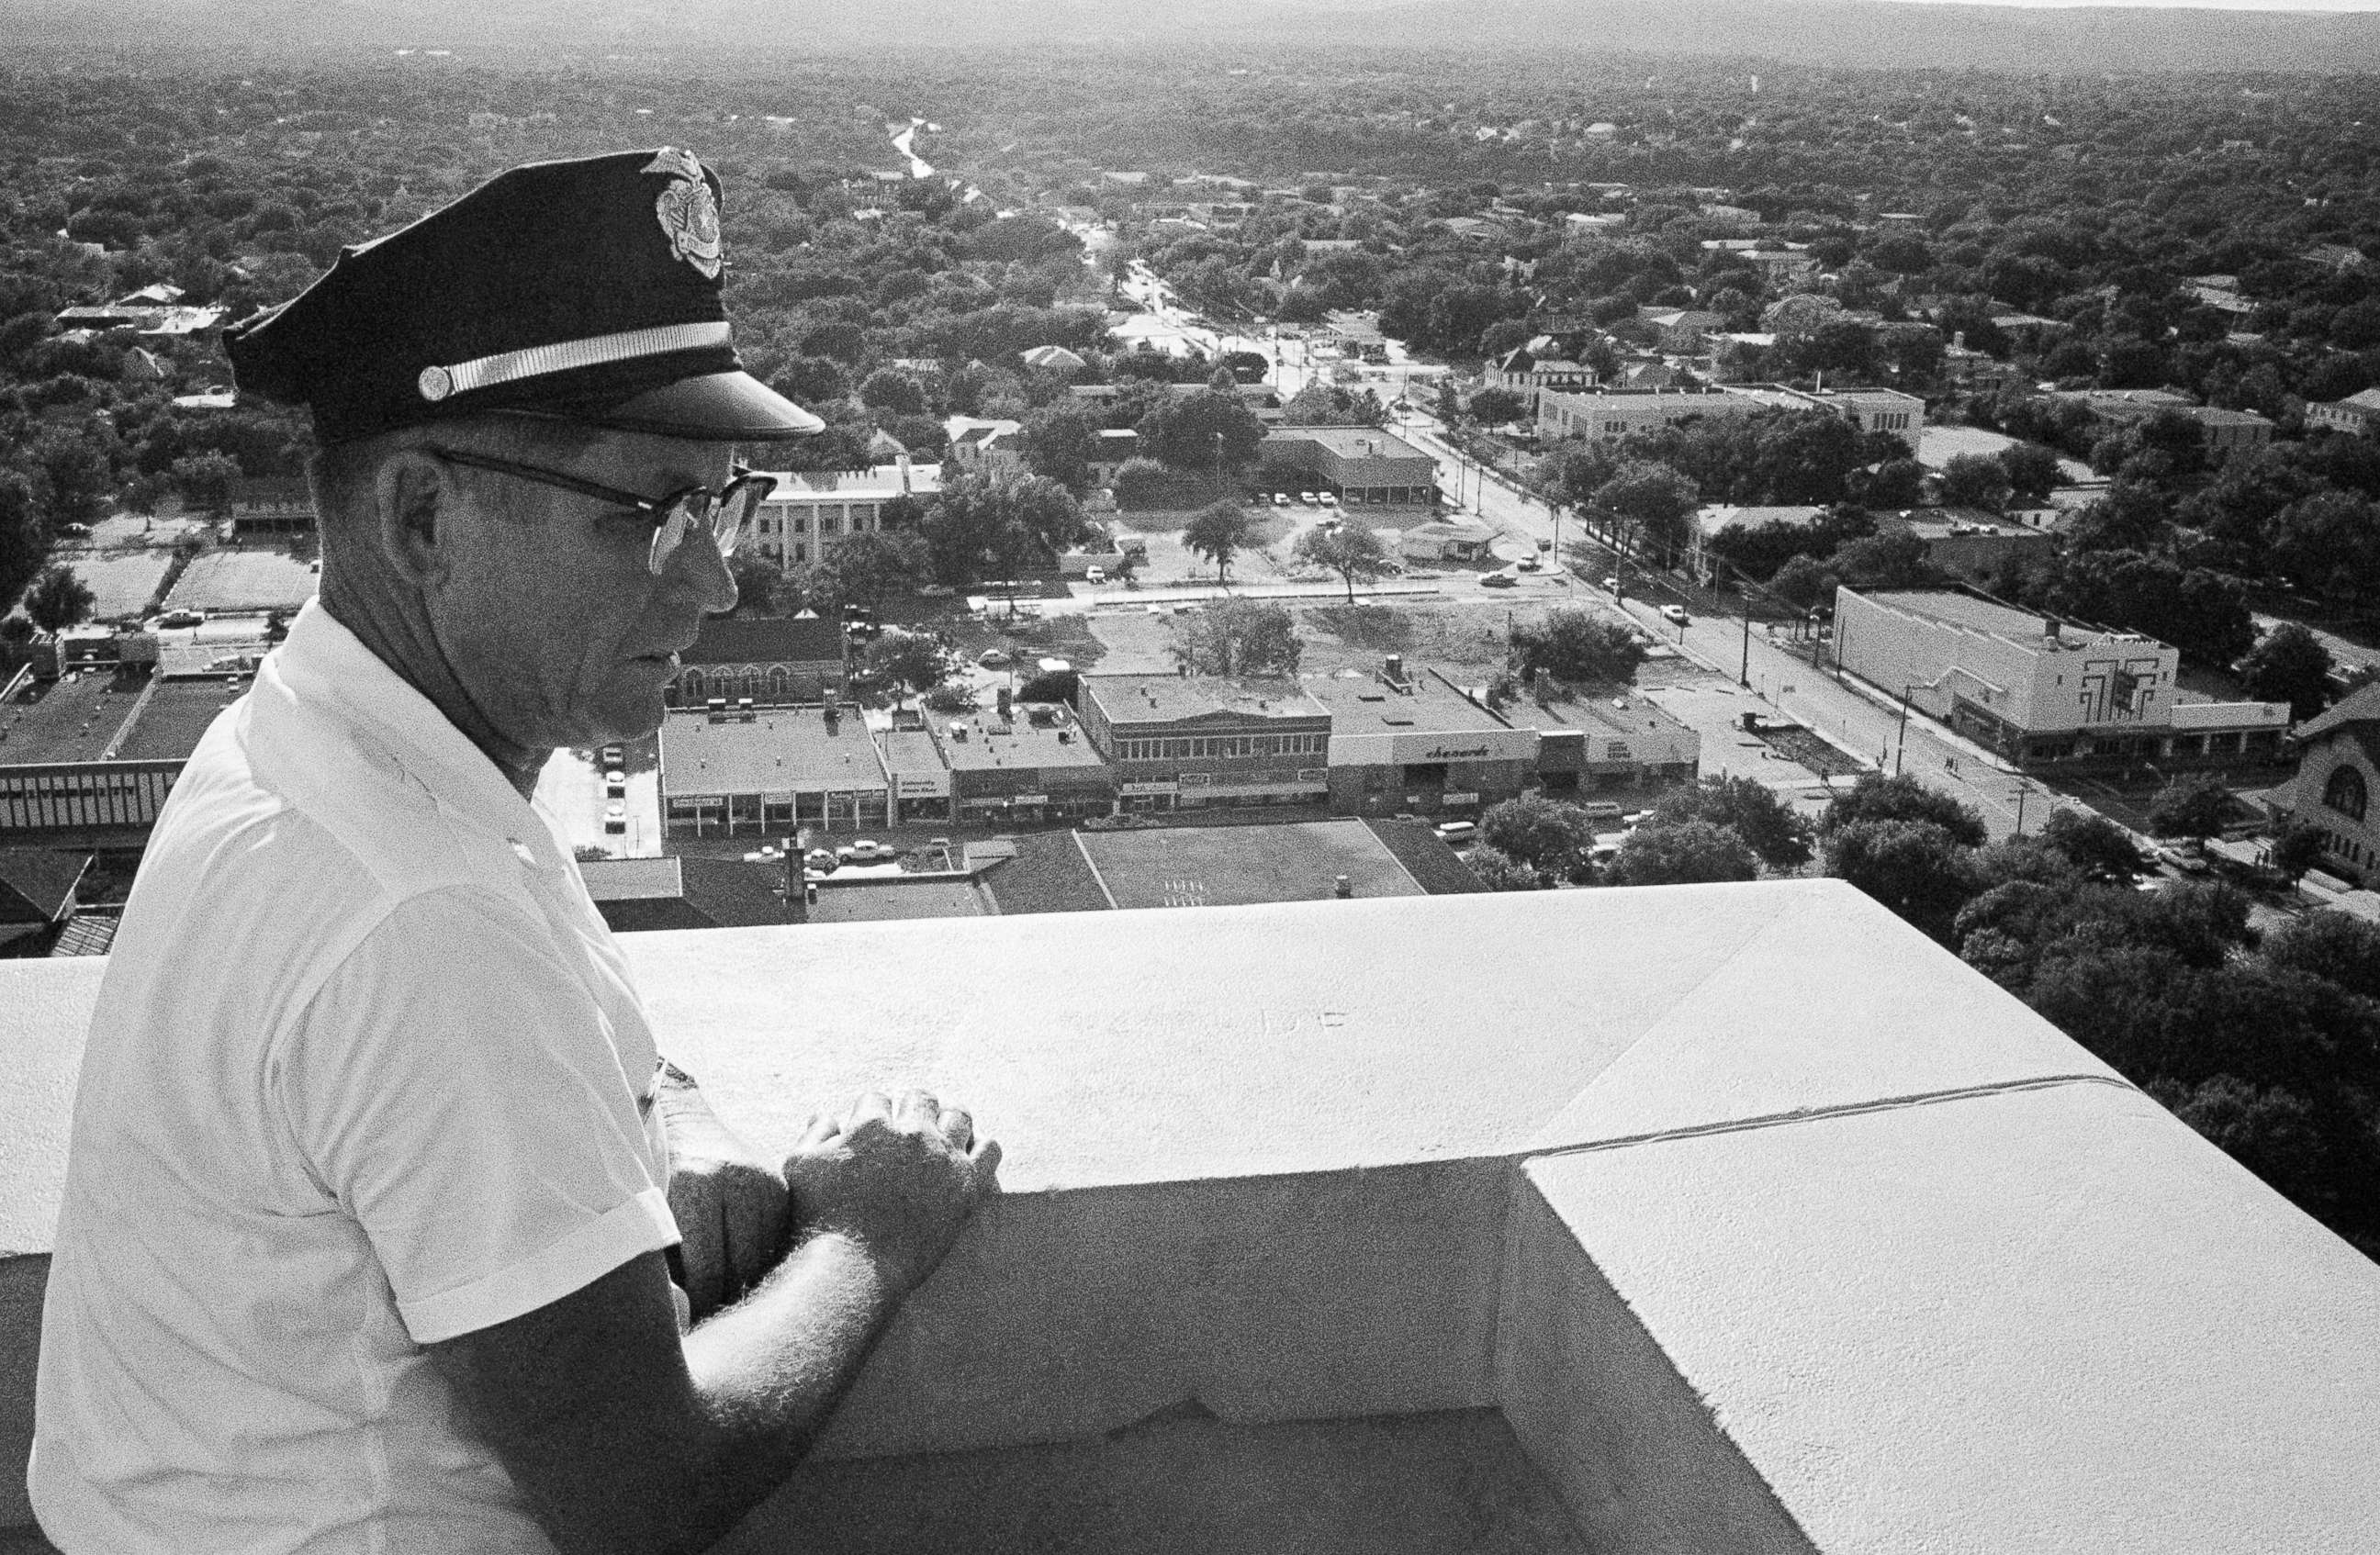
366,1072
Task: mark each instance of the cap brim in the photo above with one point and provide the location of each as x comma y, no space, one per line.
713,408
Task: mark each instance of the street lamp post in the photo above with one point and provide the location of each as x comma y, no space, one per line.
1900,735
1743,670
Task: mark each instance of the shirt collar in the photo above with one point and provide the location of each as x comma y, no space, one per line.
327,667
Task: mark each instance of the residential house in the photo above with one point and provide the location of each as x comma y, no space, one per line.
2359,413
1681,330
985,448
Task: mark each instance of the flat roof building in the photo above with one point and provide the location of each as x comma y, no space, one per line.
773,660
1589,744
1405,740
1362,465
1612,413
1011,763
769,771
2042,691
1181,743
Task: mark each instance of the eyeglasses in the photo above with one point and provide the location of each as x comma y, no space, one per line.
725,514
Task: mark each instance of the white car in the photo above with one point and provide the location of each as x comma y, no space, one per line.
1095,574
1328,499
1281,499
992,659
1675,614
1306,497
1528,565
1457,831
864,851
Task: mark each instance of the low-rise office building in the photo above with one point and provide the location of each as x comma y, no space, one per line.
1180,743
1022,762
2043,691
1362,465
764,772
811,511
1407,741
1615,412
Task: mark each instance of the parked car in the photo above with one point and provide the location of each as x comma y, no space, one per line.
1095,574
866,851
1328,499
1499,580
614,757
2189,860
172,618
1528,565
1457,831
1675,614
993,658
1611,585
1281,499
1306,497
935,590
819,861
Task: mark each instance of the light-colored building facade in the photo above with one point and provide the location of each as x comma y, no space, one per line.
1405,740
769,771
1181,743
811,511
1604,744
2359,413
2043,691
2338,782
1013,762
1608,413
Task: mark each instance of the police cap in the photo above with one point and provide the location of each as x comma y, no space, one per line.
587,290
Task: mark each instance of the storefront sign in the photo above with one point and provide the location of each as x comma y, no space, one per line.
1137,789
1400,750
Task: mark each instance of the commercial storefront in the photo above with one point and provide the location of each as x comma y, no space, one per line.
1410,742
1210,742
768,772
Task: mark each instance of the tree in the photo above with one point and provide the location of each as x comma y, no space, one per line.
1349,549
1577,646
1207,432
1767,825
887,390
1896,560
2032,470
1549,836
1218,531
58,599
2297,848
913,661
1688,853
1916,868
2091,843
1896,483
2331,944
1877,798
2190,807
1239,637
1494,407
1059,442
1654,503
2289,663
868,567
1141,484
1805,582
1499,871
1974,480
977,521
205,481
758,581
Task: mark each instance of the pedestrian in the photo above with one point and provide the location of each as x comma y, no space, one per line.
385,1226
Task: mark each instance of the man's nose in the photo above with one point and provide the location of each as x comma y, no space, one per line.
698,566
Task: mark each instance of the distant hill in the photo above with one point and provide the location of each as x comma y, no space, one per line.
1851,34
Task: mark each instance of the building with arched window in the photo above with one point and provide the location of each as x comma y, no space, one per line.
2339,771
772,661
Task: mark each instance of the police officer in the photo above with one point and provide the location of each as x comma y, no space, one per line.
378,1182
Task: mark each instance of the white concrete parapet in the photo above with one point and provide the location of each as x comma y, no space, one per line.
1767,1224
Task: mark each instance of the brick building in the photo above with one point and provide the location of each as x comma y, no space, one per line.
1179,742
2337,781
773,660
1408,742
1362,465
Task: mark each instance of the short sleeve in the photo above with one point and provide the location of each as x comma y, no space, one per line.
455,1087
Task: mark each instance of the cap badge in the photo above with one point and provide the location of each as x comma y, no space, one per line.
688,213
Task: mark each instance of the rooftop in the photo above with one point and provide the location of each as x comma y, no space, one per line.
783,750
1056,740
1164,699
1365,704
1624,715
173,718
2024,629
76,718
1747,1219
1348,443
875,483
765,640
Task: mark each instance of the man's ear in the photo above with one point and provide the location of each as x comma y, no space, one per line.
411,493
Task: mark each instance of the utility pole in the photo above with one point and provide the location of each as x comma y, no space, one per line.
2022,788
1743,671
1900,734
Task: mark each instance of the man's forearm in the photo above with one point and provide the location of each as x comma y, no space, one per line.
771,1370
